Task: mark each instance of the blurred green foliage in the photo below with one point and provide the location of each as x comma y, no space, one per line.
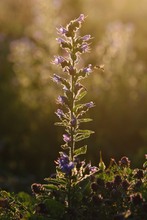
29,141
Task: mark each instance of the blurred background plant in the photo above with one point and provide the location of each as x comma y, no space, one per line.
29,143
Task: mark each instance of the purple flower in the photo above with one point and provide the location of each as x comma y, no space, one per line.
86,37
81,18
87,69
93,169
58,60
89,105
66,138
62,30
60,113
56,78
73,121
62,100
63,159
60,40
66,168
65,165
85,48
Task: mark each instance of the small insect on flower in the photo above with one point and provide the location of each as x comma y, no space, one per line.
101,67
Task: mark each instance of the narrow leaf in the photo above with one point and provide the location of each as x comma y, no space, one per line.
85,120
81,95
50,186
60,124
85,132
81,150
79,106
55,181
81,137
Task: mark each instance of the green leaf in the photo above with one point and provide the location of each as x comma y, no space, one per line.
85,120
55,208
85,132
145,164
81,150
63,124
81,137
81,95
50,186
55,181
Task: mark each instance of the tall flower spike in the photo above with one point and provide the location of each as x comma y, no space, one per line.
73,90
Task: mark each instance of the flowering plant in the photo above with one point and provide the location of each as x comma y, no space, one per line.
79,191
71,173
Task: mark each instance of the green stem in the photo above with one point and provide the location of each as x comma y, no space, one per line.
69,193
72,105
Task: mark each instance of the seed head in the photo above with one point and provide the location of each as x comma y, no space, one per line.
124,162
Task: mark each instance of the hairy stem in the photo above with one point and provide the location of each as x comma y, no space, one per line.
72,104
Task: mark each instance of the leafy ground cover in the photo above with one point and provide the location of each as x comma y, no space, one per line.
116,192
79,190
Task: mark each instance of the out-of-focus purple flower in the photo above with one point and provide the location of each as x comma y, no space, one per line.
93,169
60,40
85,48
66,138
56,78
90,169
88,69
58,60
65,165
62,100
89,105
81,18
60,113
62,30
86,37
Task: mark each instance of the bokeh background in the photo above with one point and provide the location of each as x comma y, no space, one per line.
29,141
